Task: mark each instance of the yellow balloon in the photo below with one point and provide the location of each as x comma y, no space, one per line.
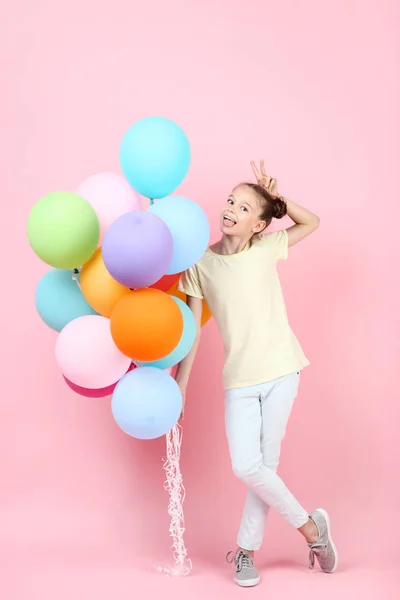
173,291
100,290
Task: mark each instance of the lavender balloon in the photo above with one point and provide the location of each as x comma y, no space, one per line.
137,249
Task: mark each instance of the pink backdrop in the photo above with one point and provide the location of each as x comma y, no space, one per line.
310,86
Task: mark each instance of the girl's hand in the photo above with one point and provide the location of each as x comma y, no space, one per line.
267,182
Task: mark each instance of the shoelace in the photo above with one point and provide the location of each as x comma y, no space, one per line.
241,559
315,550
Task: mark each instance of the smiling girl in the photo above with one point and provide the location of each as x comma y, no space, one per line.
238,278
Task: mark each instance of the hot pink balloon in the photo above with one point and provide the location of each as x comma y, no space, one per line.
172,371
95,392
111,196
87,355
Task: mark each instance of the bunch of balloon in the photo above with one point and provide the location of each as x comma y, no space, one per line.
112,293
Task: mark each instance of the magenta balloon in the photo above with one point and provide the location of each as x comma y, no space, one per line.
137,249
94,393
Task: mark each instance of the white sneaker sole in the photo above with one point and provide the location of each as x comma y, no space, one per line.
248,582
328,522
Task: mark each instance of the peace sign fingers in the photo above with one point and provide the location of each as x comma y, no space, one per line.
256,172
263,171
269,183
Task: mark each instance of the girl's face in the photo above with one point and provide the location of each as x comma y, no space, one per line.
241,214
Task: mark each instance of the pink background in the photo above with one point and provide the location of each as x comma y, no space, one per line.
313,88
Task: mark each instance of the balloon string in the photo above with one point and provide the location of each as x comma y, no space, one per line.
174,485
75,278
151,201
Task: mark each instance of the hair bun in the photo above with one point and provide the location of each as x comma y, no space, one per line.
280,208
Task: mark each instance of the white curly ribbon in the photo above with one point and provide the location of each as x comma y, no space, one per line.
174,485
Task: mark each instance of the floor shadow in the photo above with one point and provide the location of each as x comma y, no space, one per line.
283,563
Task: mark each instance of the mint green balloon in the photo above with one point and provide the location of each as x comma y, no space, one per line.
63,230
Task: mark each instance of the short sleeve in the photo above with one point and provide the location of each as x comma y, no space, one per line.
278,243
189,283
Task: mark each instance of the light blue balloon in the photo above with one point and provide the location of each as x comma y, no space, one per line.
59,299
189,227
146,403
185,344
155,156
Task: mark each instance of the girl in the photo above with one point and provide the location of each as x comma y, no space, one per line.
238,278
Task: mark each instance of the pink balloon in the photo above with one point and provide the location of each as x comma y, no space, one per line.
95,392
87,355
111,196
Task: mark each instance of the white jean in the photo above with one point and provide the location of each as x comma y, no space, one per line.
256,419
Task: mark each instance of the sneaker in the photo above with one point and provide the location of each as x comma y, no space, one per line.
324,548
246,575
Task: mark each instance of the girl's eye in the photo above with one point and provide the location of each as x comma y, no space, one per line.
244,208
230,201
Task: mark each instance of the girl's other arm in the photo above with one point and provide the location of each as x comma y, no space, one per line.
185,366
305,222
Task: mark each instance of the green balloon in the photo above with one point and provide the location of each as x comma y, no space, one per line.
63,230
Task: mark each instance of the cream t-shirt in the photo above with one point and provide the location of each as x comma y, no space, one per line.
244,294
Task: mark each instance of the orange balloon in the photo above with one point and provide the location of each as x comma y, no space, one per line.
100,290
206,315
146,325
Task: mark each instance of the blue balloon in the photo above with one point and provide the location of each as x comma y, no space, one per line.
146,403
189,227
59,299
185,344
155,156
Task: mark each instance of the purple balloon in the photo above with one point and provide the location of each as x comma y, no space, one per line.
137,249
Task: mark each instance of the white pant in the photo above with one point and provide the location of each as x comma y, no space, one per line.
256,419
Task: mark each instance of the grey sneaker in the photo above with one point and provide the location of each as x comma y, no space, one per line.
246,575
324,548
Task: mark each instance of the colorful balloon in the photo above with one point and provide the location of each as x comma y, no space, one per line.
110,196
96,392
206,316
87,355
137,249
189,227
63,230
59,300
101,290
155,156
146,325
185,343
166,282
146,403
